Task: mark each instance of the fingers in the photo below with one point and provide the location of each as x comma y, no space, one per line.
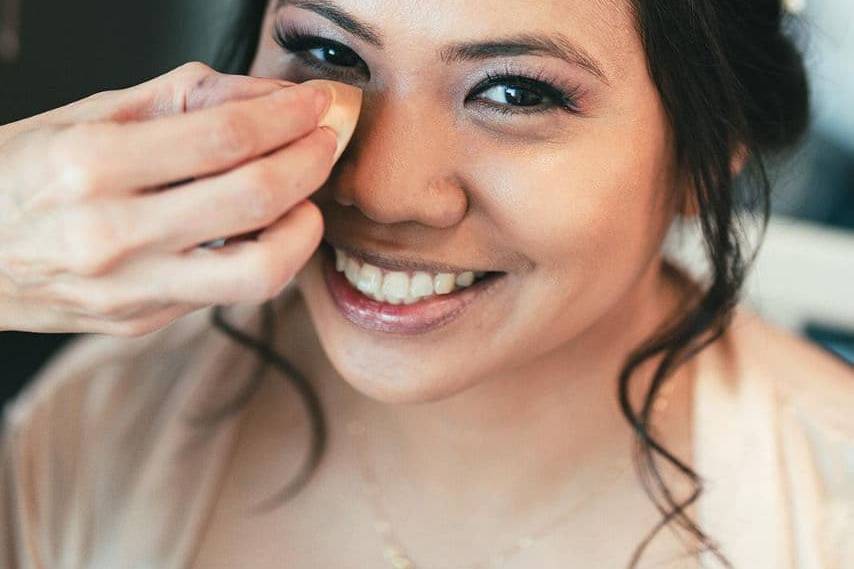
172,149
144,294
217,88
244,199
189,87
246,271
90,238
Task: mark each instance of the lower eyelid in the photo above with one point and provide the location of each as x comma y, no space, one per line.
519,110
322,67
508,111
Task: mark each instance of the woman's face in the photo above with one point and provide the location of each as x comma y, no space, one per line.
496,135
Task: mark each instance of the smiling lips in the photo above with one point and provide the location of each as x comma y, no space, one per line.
396,301
399,287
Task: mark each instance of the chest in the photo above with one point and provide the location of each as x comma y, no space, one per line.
330,523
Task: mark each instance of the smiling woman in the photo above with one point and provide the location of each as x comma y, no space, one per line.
600,207
489,336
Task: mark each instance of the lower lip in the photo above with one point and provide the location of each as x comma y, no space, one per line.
405,319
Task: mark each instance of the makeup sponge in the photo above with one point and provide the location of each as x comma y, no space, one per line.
343,113
342,116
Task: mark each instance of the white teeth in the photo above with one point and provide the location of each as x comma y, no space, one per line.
351,270
395,287
398,287
443,283
465,279
370,279
421,285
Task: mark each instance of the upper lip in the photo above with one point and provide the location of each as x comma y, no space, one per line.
398,263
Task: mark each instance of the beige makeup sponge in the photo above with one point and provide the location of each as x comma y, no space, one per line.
343,113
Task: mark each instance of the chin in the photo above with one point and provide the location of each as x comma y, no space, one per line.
394,385
387,367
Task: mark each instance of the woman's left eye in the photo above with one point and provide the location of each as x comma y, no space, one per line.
516,95
513,95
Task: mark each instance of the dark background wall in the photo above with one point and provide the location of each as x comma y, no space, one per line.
72,49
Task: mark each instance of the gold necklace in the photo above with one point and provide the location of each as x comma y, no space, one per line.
395,553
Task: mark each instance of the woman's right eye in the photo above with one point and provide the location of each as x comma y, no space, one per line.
335,55
320,53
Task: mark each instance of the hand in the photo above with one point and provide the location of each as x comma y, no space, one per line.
104,202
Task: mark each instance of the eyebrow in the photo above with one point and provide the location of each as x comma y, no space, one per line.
558,46
338,16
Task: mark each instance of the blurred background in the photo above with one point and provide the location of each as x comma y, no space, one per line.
53,52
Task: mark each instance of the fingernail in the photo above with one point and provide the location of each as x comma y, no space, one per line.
339,141
343,112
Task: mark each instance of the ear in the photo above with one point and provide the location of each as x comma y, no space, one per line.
738,160
688,202
689,206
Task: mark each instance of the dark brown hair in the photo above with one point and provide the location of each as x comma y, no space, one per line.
731,81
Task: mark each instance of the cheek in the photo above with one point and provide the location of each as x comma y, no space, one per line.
590,211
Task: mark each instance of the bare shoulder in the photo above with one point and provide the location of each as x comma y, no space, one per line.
800,370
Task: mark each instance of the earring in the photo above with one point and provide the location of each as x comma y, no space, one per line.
794,7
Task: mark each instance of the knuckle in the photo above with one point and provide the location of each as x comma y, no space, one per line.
101,96
73,160
22,275
88,264
34,139
106,305
93,240
133,328
194,70
261,201
232,139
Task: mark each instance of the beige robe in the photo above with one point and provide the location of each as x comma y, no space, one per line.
100,470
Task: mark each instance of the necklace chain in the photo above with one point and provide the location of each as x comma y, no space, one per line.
395,553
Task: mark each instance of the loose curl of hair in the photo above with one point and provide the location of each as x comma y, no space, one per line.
733,84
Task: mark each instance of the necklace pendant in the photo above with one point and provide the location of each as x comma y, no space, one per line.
397,558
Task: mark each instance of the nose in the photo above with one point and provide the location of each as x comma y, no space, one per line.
400,165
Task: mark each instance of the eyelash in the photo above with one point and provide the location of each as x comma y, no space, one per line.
299,42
